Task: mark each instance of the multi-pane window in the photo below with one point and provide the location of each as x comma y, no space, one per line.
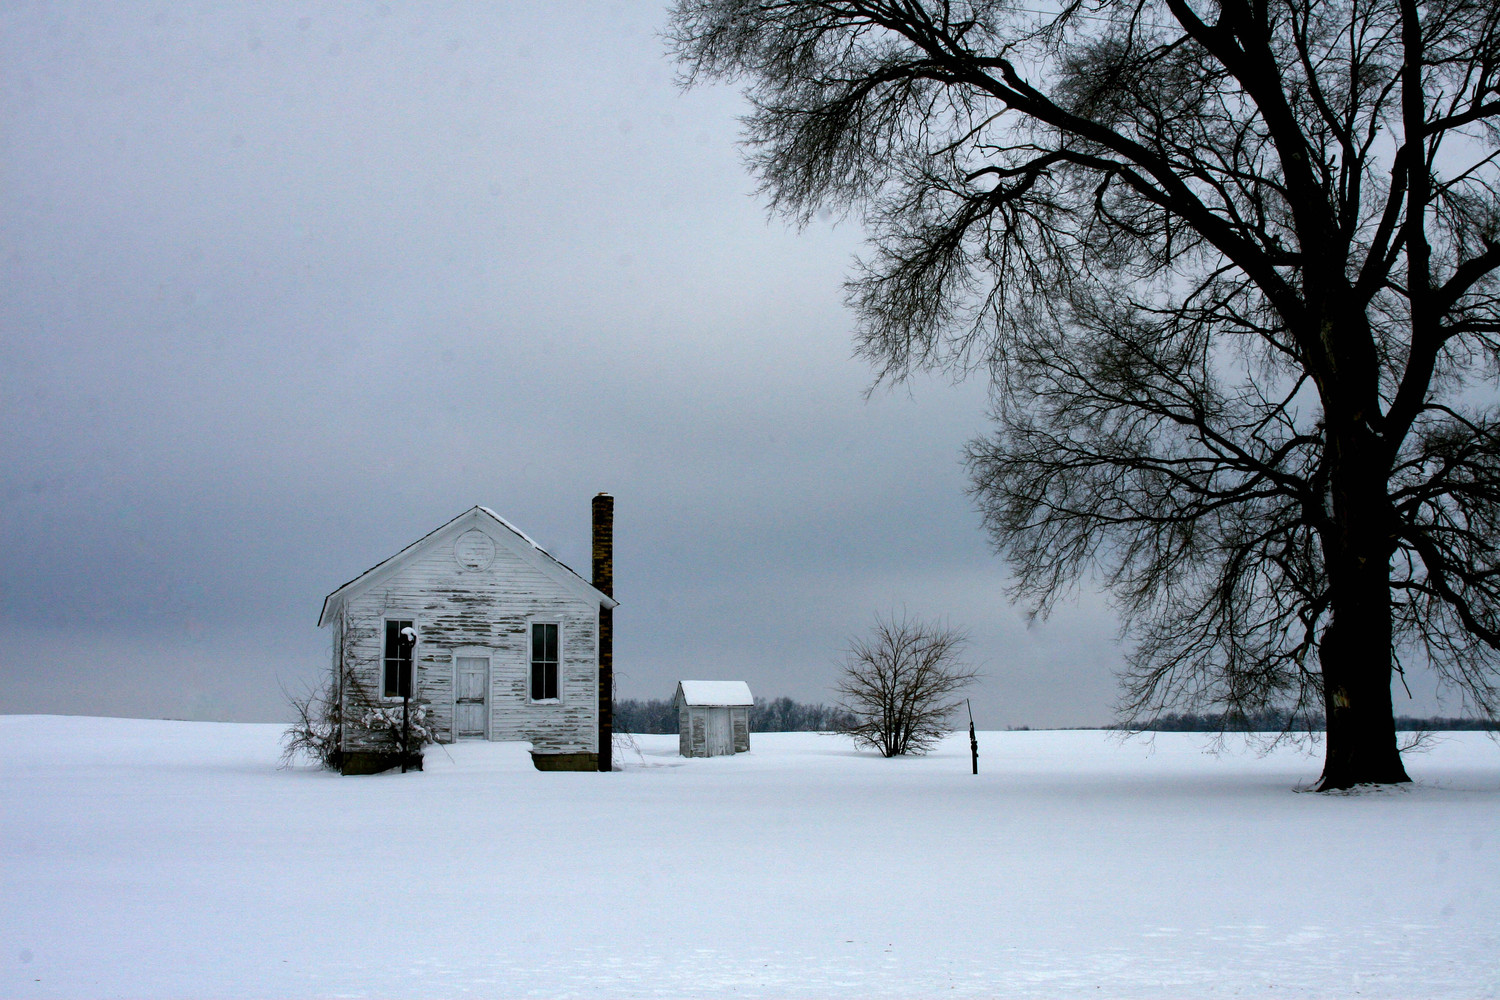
400,638
543,660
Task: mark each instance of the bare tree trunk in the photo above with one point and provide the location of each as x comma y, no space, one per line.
1361,743
1356,649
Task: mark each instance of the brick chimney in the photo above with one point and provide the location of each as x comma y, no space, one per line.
604,581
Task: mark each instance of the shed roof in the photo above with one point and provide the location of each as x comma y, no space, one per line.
715,693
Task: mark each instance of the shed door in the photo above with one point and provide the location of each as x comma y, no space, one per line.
720,735
470,683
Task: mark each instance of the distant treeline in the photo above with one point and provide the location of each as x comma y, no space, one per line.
1275,722
778,715
783,715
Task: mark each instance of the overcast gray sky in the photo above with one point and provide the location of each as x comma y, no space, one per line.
287,285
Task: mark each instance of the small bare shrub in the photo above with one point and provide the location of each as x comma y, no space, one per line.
902,683
315,733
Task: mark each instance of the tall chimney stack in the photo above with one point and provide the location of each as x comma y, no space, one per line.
604,581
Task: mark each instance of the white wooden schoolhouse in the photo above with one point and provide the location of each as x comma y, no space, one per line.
487,635
713,718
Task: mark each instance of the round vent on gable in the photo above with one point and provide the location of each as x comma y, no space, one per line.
474,550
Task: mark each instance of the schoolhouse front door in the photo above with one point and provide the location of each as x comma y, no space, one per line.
471,684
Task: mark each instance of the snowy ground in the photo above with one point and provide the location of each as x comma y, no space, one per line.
173,859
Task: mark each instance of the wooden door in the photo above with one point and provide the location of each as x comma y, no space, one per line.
720,740
471,684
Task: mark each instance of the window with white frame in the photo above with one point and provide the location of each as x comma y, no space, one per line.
400,640
544,646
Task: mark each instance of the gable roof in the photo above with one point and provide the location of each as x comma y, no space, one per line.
512,537
714,693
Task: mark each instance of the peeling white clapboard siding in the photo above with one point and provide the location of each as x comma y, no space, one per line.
482,612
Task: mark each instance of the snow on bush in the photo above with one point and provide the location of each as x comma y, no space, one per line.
392,720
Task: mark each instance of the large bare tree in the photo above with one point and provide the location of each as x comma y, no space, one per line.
1231,268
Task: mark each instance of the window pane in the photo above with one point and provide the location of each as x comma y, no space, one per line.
396,675
394,641
543,660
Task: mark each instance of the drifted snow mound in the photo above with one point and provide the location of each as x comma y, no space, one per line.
478,757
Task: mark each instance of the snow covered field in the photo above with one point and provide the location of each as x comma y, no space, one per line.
173,859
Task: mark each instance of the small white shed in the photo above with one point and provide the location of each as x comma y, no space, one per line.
713,718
